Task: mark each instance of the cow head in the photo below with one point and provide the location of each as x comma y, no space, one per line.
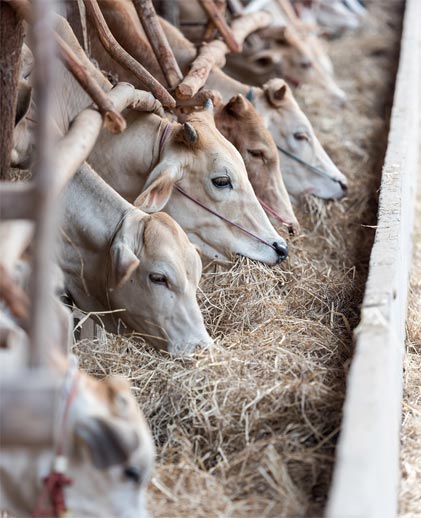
303,60
239,122
153,273
113,451
197,158
335,17
109,450
292,131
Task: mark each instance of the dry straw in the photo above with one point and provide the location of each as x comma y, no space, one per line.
410,493
249,427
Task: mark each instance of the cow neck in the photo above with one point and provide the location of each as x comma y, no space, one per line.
95,212
52,499
107,205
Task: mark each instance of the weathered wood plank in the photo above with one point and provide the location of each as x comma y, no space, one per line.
366,476
11,38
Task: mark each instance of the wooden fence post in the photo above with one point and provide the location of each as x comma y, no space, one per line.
159,42
11,38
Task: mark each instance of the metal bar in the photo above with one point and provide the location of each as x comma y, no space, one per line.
16,201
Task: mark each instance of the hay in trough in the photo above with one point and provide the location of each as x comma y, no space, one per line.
249,427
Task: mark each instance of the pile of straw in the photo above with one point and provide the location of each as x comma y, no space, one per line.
249,427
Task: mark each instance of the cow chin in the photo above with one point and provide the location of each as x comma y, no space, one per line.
253,250
269,257
332,191
181,349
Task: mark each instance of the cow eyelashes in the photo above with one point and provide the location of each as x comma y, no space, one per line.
301,135
158,278
256,153
222,182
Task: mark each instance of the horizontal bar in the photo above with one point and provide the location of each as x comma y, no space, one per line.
16,200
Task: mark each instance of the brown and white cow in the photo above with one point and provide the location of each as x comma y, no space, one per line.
240,123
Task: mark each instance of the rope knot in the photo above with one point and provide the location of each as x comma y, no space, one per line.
54,485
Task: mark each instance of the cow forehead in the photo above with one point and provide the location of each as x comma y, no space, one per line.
211,139
165,240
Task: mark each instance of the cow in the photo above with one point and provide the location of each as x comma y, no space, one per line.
103,435
274,102
282,50
195,157
108,446
138,271
256,146
333,16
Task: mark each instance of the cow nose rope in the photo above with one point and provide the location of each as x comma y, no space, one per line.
164,136
315,169
236,225
51,501
273,213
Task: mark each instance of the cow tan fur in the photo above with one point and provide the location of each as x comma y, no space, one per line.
140,269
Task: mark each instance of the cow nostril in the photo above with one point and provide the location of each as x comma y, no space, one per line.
281,250
343,186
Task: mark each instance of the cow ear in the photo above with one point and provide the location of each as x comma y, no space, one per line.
156,196
108,441
159,187
275,91
237,105
123,263
23,102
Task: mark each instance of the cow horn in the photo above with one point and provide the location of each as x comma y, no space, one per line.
208,105
190,133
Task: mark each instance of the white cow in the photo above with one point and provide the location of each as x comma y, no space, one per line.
142,268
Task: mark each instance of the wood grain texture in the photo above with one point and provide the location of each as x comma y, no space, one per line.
366,476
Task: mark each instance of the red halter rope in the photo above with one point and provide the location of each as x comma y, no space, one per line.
273,213
52,492
163,138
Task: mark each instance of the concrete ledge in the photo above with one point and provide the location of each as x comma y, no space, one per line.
366,476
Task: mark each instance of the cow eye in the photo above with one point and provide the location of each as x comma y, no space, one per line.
306,65
158,278
133,473
264,62
301,135
222,182
256,153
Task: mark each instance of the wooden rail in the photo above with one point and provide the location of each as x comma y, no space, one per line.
366,477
